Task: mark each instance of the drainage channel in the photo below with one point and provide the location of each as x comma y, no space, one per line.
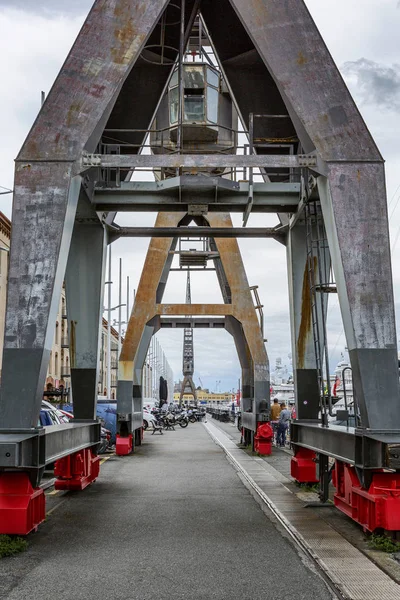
348,571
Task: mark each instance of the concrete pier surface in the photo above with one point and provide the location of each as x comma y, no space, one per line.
172,521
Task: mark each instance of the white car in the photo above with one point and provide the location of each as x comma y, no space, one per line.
56,415
148,419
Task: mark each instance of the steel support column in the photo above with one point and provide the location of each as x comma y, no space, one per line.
243,308
355,214
84,281
307,392
305,367
38,260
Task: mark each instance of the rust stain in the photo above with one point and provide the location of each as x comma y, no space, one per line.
118,12
301,59
27,167
125,33
71,114
97,90
305,323
72,343
32,149
358,175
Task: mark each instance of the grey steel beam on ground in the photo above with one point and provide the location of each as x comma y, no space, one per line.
156,196
197,161
198,232
368,449
32,449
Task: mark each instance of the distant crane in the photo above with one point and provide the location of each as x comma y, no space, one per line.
188,386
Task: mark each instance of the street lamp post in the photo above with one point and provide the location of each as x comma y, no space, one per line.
110,309
109,326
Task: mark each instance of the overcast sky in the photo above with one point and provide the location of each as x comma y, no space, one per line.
362,35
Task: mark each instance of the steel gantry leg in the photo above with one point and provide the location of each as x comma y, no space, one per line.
308,328
249,420
355,214
130,395
307,391
36,273
37,268
84,282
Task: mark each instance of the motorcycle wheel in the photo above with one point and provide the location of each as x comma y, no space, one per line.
239,424
145,425
183,423
192,419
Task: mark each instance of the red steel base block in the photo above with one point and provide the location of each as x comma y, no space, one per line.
303,467
22,507
375,508
124,445
76,471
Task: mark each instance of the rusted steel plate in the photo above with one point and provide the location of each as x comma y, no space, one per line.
90,80
292,48
194,309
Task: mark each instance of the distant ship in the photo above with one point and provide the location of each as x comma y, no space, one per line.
342,392
281,388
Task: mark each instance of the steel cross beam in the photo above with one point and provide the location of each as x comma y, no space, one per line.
182,193
200,232
192,322
196,161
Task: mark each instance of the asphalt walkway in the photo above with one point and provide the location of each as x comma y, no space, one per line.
173,521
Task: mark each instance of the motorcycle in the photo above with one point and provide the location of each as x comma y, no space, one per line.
169,420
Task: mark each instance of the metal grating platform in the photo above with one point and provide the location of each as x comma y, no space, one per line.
351,572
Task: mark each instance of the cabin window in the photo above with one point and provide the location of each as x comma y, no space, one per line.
193,105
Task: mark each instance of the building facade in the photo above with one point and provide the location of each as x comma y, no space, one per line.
204,396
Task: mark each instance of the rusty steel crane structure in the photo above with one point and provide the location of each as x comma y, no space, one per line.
321,172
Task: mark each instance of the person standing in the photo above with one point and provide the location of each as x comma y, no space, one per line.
275,412
283,425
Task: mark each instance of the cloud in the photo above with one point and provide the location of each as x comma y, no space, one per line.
30,67
377,84
45,7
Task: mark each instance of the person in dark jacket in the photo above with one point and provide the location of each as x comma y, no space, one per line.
283,425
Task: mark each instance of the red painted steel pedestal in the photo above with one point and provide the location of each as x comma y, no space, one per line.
124,445
22,507
375,508
76,471
303,467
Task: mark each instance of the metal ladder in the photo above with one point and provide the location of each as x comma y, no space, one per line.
317,252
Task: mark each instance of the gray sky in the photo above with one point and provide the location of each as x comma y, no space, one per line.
362,36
